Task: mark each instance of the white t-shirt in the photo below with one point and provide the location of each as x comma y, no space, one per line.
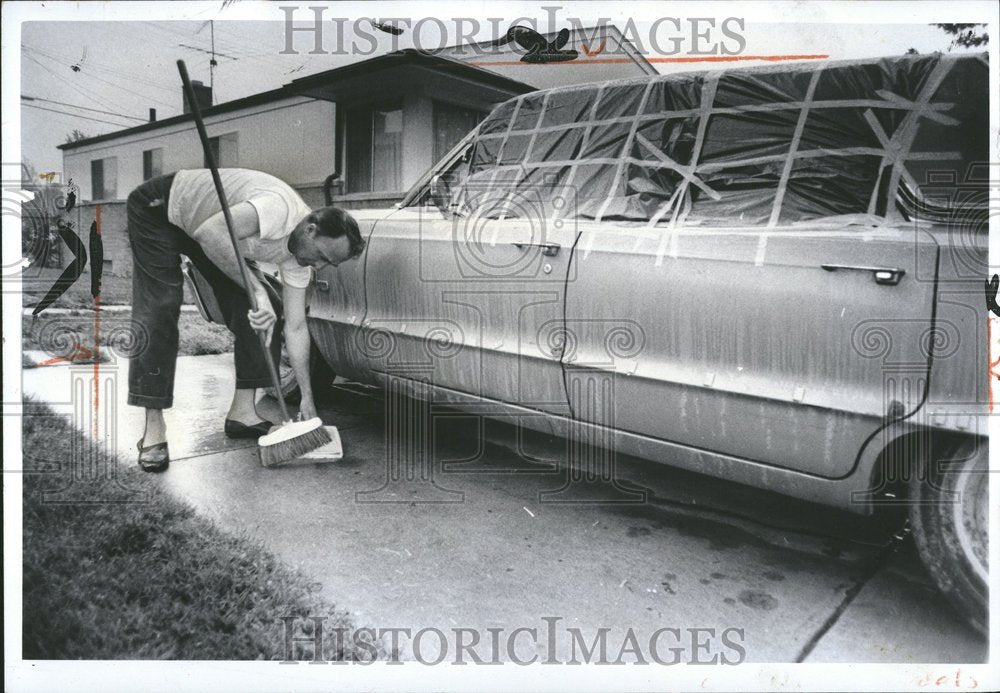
193,200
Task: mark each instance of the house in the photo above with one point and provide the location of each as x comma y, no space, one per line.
361,134
273,131
399,113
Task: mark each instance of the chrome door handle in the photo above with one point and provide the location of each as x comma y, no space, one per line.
888,276
548,249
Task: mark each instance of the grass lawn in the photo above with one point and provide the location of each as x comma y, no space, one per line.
152,580
58,334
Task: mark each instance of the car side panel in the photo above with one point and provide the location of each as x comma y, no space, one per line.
337,309
745,346
465,311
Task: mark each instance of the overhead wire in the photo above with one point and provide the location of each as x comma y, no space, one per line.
65,81
227,43
75,115
129,91
25,97
92,64
99,79
227,40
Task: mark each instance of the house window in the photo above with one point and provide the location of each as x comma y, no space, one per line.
451,124
224,149
104,179
152,163
375,149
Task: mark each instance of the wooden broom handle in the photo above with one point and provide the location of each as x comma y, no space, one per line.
244,272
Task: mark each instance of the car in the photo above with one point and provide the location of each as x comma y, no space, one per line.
769,275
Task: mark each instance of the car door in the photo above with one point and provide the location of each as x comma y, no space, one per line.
788,347
337,307
470,303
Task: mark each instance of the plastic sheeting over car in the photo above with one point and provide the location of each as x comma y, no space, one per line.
762,147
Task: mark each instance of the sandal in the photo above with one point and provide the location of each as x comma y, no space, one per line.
237,429
155,458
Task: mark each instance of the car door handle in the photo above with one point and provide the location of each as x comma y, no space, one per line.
888,276
548,249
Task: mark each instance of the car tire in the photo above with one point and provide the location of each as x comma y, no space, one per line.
949,517
321,377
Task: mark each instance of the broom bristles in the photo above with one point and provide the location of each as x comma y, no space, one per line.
289,443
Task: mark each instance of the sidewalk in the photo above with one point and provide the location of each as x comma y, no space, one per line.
476,549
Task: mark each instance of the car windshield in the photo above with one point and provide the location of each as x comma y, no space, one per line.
766,147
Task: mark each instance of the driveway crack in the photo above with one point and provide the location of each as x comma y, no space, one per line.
876,564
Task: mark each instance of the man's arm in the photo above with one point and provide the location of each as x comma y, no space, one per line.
297,343
213,237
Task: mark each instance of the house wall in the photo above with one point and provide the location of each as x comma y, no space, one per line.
418,137
291,138
417,156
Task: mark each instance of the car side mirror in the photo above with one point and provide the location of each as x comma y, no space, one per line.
440,194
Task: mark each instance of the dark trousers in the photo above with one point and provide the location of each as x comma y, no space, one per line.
157,295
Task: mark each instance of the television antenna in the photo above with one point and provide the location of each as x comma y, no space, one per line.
212,63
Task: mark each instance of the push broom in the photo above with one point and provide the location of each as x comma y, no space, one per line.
291,439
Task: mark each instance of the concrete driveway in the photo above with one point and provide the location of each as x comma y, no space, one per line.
478,541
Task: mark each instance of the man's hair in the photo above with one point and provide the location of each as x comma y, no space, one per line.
334,222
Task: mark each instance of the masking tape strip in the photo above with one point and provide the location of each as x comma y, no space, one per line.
734,163
527,153
900,105
503,144
583,145
626,148
758,259
929,111
892,155
907,131
708,90
786,171
670,235
683,171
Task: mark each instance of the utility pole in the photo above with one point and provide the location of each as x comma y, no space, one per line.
213,62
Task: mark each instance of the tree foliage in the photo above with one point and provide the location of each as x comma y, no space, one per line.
76,136
966,35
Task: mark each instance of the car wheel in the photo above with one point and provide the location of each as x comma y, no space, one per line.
949,518
321,376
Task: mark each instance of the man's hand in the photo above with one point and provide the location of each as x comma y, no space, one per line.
307,409
263,319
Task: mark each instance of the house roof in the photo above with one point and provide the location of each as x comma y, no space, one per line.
391,70
400,70
604,54
234,105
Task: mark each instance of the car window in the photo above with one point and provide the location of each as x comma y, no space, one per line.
452,169
761,147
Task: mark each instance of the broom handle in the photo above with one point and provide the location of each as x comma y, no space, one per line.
244,273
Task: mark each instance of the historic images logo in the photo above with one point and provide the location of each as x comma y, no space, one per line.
306,639
533,40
